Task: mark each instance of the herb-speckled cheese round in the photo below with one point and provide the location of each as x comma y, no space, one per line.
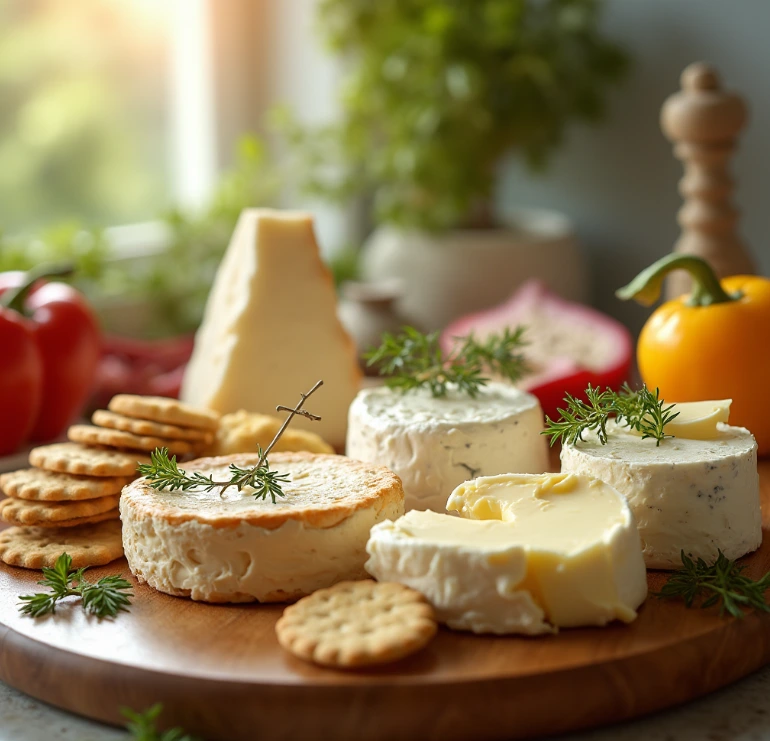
235,548
434,444
699,496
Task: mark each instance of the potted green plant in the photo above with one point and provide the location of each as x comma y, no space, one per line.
434,95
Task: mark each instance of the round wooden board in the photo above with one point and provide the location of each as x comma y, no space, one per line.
220,673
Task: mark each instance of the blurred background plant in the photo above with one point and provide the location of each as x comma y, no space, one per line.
175,279
432,96
436,93
81,102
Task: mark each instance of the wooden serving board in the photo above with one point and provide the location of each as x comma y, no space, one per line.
220,673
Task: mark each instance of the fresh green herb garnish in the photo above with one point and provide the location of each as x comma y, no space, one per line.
641,410
141,726
105,598
413,360
164,473
722,583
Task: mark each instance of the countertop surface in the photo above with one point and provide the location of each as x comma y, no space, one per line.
740,712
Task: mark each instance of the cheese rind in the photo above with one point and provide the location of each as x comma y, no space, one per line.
699,496
235,548
436,444
540,557
270,328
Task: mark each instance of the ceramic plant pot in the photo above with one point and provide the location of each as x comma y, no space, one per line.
448,274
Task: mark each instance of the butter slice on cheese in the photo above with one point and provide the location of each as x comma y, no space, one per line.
270,329
698,420
529,554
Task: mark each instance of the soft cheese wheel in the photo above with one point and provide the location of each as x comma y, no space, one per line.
236,548
528,555
699,496
434,444
270,329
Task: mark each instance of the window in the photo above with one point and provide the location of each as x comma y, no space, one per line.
85,115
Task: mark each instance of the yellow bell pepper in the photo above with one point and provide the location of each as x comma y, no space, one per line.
711,344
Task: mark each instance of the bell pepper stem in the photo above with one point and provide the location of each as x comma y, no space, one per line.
14,298
645,288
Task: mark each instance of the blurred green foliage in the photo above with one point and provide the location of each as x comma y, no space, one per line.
176,281
82,112
436,92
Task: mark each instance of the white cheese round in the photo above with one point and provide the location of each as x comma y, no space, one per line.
434,444
699,496
529,554
236,548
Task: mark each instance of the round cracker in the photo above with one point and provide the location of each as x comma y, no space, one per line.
35,547
8,515
357,623
85,460
48,514
113,421
91,435
35,484
167,411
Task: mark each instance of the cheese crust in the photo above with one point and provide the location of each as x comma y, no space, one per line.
436,444
699,496
235,548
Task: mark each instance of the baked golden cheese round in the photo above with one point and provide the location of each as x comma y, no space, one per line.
228,546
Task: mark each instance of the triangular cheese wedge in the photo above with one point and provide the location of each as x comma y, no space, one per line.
270,329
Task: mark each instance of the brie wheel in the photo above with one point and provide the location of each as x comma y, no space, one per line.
235,548
434,444
699,496
529,554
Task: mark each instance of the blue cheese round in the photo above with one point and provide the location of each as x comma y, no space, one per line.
696,496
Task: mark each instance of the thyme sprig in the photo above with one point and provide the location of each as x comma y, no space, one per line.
412,360
723,583
163,473
104,599
143,726
642,410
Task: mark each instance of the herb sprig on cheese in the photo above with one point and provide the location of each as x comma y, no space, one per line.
642,410
722,583
163,473
412,360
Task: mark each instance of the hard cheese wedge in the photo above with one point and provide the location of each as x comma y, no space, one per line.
271,330
529,553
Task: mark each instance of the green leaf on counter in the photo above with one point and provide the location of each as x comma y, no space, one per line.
104,599
722,583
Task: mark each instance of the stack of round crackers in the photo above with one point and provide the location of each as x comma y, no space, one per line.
143,423
68,500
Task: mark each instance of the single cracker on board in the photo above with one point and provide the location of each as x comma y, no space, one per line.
35,484
113,421
35,547
8,515
85,460
356,624
166,411
92,435
50,514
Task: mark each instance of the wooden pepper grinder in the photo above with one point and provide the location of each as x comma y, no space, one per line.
703,121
